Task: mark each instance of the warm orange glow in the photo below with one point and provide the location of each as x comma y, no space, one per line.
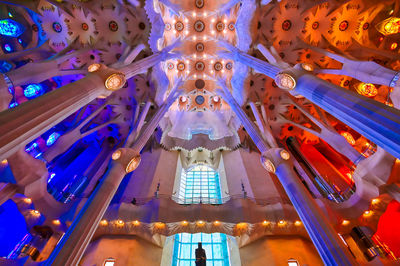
120,222
184,223
94,67
28,200
133,164
216,223
350,139
281,222
367,89
367,213
116,155
345,222
56,222
389,26
393,46
349,175
35,212
136,223
375,201
307,67
115,81
200,223
265,222
297,223
284,154
241,225
268,165
4,161
160,225
103,222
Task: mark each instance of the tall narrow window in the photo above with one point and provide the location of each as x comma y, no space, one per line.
214,244
200,184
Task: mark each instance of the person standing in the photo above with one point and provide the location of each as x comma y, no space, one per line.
200,255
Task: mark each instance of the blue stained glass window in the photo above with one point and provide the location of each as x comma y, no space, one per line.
13,104
52,138
31,147
11,28
214,244
200,185
7,47
33,91
5,66
51,177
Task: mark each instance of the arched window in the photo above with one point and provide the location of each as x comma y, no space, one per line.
215,245
200,184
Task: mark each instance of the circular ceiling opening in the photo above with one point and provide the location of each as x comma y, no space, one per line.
200,84
199,100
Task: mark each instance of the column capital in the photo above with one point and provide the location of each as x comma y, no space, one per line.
128,158
286,79
113,79
274,157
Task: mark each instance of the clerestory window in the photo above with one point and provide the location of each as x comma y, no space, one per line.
200,184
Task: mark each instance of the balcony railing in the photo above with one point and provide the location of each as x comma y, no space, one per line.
206,200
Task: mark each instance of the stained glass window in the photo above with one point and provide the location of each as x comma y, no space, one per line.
52,138
215,245
33,90
12,105
5,66
200,184
11,28
8,48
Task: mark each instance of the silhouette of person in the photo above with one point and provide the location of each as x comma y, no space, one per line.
133,201
200,255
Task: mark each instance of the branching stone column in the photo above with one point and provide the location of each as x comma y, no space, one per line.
326,132
279,162
36,72
143,65
24,123
71,247
68,139
374,120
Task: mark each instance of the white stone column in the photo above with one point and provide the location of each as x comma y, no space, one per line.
124,160
279,162
24,123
